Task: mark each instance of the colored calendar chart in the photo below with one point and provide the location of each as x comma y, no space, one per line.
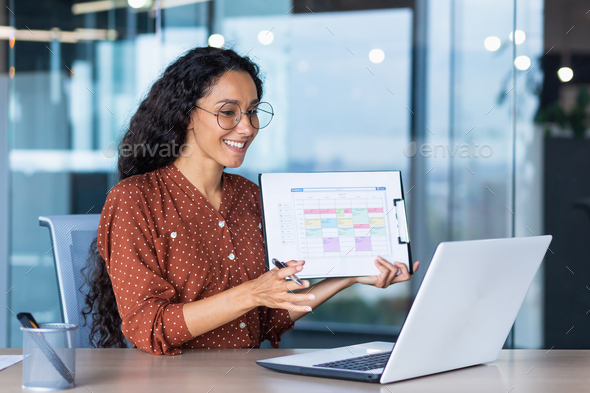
344,226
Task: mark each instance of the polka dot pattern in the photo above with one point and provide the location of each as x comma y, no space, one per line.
165,245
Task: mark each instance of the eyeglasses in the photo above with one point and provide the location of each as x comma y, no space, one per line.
230,114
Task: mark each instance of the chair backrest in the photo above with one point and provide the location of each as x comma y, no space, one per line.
70,237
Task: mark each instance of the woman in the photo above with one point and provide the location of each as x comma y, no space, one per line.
182,240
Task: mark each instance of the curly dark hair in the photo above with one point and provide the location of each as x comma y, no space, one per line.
160,121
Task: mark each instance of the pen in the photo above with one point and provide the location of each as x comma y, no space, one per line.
282,265
27,320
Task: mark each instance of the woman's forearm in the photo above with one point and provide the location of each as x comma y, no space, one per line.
323,291
205,315
270,290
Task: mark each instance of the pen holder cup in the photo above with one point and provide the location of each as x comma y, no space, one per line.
49,356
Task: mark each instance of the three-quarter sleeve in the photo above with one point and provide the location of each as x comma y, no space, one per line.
273,323
152,317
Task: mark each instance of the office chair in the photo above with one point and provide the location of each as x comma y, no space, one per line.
70,237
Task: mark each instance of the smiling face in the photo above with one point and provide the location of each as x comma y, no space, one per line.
209,141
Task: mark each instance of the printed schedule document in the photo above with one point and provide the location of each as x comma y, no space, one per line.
338,222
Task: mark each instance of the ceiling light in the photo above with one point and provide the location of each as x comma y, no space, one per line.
90,7
265,37
11,34
522,63
565,74
520,37
376,55
216,40
137,3
492,43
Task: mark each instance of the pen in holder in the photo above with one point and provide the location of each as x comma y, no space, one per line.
49,355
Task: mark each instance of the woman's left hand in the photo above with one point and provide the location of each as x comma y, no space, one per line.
388,274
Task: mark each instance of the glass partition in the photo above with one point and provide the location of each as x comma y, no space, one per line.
430,88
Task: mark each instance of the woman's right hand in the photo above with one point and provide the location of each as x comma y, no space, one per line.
273,291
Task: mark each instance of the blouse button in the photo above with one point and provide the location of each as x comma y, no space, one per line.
221,224
259,226
242,325
173,235
231,256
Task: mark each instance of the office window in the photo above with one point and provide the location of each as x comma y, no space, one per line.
355,88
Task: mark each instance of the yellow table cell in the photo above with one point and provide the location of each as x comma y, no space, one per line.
313,223
345,222
376,221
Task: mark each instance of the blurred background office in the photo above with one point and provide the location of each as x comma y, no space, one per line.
483,105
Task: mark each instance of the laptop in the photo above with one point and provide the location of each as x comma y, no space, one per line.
461,316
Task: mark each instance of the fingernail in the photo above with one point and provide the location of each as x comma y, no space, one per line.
299,268
308,308
311,296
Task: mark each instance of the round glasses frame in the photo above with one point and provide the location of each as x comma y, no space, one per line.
248,113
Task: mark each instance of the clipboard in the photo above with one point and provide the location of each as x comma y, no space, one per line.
338,222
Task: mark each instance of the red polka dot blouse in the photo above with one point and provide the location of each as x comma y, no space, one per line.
164,245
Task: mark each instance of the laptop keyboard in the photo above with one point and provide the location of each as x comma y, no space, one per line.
362,363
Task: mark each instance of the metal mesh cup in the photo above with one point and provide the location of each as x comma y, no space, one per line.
49,356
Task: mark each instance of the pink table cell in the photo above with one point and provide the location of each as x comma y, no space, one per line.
361,226
375,210
311,211
327,211
348,211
